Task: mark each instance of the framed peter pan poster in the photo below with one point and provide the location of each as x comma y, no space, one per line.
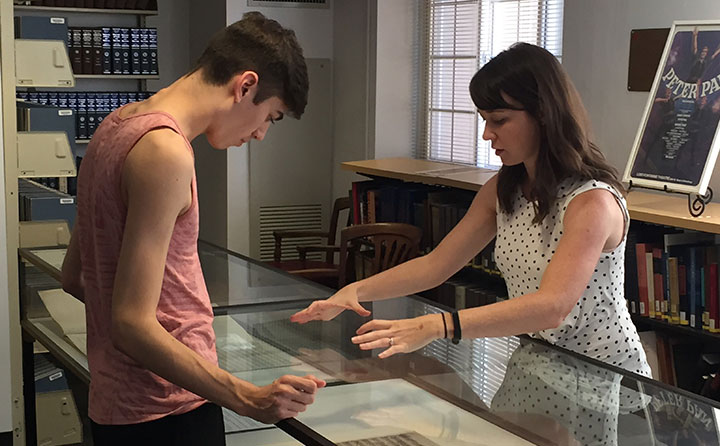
677,141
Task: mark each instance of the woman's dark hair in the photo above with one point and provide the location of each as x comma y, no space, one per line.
533,78
256,43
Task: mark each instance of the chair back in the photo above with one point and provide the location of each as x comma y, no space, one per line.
391,243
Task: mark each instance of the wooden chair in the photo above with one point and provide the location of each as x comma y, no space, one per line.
316,270
383,245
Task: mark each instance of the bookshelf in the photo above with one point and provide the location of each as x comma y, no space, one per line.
681,330
423,171
117,76
649,207
98,93
25,154
669,210
11,331
54,9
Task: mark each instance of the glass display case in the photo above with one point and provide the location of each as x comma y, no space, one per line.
495,391
232,279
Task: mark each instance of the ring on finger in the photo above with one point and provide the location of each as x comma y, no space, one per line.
391,342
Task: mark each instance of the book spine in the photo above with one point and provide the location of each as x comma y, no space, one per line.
666,288
91,113
145,51
713,299
683,295
658,287
125,50
153,51
82,127
693,285
135,48
97,49
650,277
87,51
116,40
643,302
674,290
700,316
76,56
107,65
372,206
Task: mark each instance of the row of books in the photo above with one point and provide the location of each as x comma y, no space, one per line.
145,5
468,289
376,201
89,108
114,51
436,210
683,363
678,281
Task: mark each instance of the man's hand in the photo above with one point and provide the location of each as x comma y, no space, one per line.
324,310
286,397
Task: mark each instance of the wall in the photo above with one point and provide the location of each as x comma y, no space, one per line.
313,27
352,101
396,68
376,82
596,45
173,24
373,50
211,165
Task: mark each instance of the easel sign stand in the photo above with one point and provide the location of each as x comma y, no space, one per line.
678,140
696,206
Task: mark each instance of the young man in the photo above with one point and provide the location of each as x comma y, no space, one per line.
133,254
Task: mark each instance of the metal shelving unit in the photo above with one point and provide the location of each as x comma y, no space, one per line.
11,227
23,406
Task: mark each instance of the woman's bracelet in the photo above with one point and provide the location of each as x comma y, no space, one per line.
457,332
442,315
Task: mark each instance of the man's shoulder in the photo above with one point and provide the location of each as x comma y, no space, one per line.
163,139
159,157
162,148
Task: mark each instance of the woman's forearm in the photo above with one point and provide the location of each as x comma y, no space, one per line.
411,277
526,314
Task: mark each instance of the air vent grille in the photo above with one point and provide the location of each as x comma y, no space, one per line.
289,218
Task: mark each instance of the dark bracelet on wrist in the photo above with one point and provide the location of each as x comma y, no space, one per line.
442,315
457,331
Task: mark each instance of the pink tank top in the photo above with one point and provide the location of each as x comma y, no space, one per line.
121,390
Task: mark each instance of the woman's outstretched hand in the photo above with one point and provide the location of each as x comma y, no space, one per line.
401,336
324,310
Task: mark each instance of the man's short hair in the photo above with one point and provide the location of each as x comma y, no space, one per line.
256,43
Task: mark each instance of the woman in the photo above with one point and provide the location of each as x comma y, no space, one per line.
560,222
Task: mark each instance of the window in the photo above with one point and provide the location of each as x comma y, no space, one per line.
462,35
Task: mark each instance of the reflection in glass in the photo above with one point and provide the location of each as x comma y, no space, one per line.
233,280
509,391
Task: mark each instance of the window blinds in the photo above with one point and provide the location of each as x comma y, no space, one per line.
481,363
461,36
